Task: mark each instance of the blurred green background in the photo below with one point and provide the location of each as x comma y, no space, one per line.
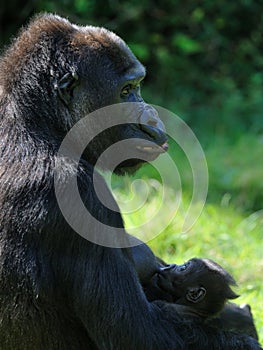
204,62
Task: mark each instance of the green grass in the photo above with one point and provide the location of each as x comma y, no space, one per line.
226,231
236,169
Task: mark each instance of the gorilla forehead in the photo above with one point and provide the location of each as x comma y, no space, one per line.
104,43
47,32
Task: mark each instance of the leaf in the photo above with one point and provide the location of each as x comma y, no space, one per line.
186,44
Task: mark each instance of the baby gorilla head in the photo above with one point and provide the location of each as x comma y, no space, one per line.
200,284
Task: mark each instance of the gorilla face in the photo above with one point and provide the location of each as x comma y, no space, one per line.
107,75
74,71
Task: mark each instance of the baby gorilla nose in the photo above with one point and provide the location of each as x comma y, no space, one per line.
167,267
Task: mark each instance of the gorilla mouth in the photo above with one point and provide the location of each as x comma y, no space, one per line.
153,148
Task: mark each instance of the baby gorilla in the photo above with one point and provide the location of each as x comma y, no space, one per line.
199,288
201,285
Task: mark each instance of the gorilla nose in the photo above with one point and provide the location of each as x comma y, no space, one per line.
153,127
151,118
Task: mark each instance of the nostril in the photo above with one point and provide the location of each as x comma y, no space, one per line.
152,122
149,116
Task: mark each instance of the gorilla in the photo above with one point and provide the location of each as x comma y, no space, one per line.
59,290
199,288
201,285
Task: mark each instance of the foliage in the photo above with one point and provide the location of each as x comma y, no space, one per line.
236,171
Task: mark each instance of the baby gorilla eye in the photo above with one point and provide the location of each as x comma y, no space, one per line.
183,267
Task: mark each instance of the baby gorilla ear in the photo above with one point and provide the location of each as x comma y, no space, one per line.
65,87
195,294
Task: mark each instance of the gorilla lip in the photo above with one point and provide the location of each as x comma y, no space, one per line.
154,148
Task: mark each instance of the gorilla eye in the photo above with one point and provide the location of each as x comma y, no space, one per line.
126,90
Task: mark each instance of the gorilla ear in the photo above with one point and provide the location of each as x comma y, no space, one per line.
195,294
66,85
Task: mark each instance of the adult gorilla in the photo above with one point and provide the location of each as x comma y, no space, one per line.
58,290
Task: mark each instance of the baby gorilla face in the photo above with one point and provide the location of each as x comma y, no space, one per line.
176,278
200,283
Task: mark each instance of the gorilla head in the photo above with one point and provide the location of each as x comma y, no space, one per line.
62,72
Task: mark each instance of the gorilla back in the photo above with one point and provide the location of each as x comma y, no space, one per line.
58,290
